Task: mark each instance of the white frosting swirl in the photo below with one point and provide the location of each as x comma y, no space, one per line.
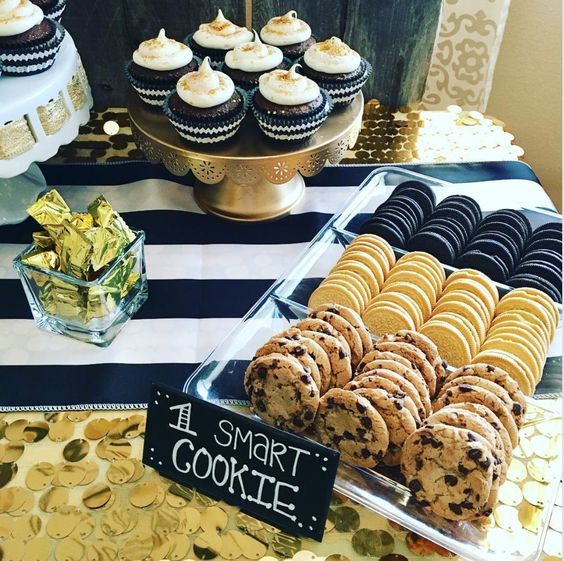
254,56
205,87
162,53
285,30
221,34
287,87
18,16
332,57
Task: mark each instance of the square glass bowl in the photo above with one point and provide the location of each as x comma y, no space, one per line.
90,311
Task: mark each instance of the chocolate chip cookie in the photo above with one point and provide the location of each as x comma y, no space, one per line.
339,359
349,423
380,355
475,394
499,377
398,419
354,319
282,392
415,356
320,326
449,470
346,329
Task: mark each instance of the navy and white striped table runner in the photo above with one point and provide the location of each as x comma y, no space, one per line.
204,274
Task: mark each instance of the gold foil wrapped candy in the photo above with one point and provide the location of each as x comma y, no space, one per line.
84,246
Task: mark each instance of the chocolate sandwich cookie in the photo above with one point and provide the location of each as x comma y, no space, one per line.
515,233
552,257
455,215
495,248
465,204
282,392
449,230
409,205
547,233
347,422
504,239
491,265
406,222
517,219
541,269
449,470
403,221
386,229
550,227
550,244
433,243
398,419
523,280
418,186
421,194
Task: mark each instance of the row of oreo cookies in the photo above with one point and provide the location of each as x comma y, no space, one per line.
455,463
502,244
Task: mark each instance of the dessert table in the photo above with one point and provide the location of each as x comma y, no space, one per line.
72,420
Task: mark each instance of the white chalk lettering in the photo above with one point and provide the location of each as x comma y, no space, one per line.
258,498
175,451
225,423
277,503
220,460
243,439
202,452
274,454
237,474
298,451
261,446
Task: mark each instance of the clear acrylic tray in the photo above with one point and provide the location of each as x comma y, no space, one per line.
516,529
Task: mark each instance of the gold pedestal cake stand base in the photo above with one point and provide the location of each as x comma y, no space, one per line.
248,178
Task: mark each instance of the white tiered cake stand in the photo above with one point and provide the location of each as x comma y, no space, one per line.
38,114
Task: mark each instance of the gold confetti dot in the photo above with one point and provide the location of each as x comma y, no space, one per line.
53,498
69,549
207,545
15,430
96,496
143,495
38,549
96,429
7,473
26,527
506,517
77,416
61,430
517,471
213,519
510,494
535,493
39,476
539,469
180,546
120,472
101,550
35,431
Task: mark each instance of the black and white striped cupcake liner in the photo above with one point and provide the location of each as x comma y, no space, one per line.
56,11
151,94
208,131
33,60
295,128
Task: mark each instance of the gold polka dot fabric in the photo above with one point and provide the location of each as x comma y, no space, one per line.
387,136
73,487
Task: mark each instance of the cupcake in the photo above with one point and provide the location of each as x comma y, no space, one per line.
206,108
288,106
337,68
29,42
157,66
247,62
290,34
215,38
52,9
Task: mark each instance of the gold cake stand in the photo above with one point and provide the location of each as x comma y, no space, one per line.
249,178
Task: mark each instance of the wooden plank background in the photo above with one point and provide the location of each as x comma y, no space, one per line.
396,36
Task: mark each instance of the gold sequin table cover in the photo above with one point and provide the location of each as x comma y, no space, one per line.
72,486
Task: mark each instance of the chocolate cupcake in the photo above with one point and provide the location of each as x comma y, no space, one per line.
29,42
206,108
337,68
290,107
52,9
157,66
215,38
290,34
247,62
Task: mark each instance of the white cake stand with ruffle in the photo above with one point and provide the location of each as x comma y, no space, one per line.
38,114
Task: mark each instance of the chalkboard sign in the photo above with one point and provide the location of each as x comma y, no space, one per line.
273,475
